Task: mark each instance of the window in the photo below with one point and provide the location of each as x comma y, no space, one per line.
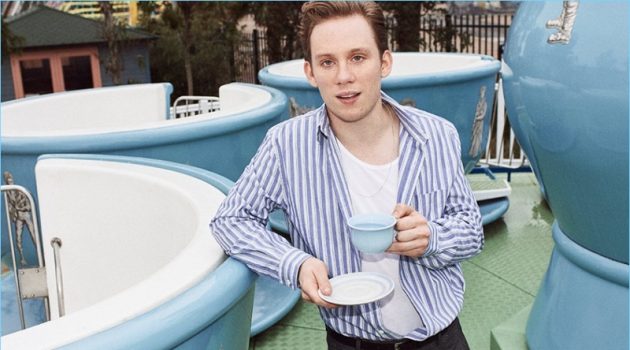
36,77
77,72
36,73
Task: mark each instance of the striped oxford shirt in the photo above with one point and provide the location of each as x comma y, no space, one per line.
297,169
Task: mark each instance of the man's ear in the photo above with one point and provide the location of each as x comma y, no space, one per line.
308,71
386,63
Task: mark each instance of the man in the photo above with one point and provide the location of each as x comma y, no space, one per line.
361,152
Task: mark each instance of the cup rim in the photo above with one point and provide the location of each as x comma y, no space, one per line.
352,224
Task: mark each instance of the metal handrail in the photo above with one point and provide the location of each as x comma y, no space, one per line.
38,246
194,105
56,244
15,273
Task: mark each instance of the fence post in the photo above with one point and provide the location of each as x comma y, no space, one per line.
256,55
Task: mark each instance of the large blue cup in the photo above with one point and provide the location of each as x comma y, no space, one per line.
566,86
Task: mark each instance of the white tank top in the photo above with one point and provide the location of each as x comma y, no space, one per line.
373,189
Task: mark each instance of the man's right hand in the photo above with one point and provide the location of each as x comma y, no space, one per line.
313,276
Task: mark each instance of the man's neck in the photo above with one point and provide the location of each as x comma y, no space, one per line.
373,139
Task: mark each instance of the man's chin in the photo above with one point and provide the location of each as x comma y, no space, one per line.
348,117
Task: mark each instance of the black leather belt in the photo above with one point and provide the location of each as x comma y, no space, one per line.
402,344
363,344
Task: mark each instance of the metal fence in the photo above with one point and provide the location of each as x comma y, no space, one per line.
479,34
250,56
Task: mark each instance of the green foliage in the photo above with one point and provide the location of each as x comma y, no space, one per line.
407,28
196,40
204,33
281,20
11,43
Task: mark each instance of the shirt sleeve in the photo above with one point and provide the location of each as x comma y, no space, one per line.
458,234
240,224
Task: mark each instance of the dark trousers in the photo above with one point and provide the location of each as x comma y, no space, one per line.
450,338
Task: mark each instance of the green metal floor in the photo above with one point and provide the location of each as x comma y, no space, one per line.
500,282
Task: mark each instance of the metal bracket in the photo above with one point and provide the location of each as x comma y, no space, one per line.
33,282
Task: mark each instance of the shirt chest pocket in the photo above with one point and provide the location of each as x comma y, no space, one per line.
431,204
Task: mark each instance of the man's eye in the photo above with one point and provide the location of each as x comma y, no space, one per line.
357,58
327,63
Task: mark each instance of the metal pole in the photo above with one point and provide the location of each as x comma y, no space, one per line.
56,244
38,244
256,55
15,271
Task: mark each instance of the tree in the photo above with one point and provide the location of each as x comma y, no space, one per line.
281,20
114,33
407,26
194,46
185,34
407,29
11,43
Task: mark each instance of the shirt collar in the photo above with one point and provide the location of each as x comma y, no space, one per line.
407,121
323,124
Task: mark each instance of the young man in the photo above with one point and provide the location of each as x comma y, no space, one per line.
361,152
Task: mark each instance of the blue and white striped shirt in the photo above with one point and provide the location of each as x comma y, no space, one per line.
297,168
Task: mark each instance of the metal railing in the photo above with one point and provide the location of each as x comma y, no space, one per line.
29,282
188,106
479,34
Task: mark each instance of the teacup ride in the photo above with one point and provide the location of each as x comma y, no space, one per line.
216,134
566,86
128,259
455,86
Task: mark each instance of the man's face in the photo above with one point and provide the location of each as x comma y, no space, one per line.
346,67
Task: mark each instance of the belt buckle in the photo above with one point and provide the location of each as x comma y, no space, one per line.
397,345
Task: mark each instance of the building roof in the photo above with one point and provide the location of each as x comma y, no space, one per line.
44,26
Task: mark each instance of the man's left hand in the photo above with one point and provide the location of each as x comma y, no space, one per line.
413,232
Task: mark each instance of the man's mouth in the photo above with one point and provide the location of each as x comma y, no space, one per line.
348,96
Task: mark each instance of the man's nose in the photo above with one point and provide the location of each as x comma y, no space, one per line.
345,74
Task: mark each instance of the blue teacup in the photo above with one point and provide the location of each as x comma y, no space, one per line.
372,233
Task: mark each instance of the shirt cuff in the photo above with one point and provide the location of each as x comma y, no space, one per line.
290,267
432,248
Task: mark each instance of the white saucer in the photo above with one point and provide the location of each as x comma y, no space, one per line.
358,288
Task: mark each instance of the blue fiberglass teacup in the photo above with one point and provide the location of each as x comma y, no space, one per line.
372,233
